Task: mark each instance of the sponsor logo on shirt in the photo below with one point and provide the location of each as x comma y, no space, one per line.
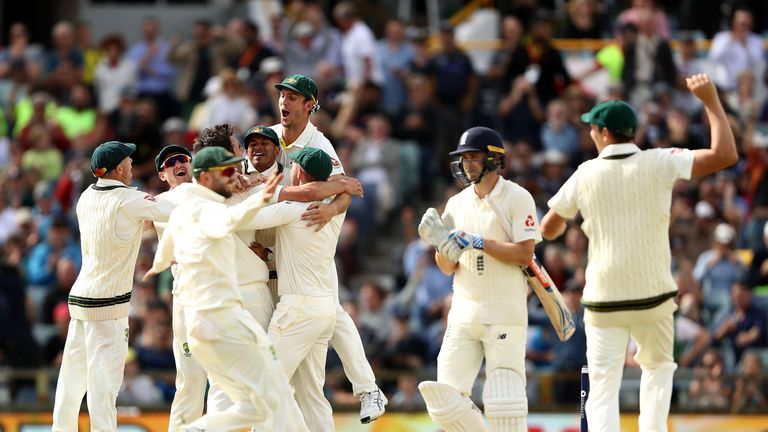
529,221
126,335
185,346
150,198
335,163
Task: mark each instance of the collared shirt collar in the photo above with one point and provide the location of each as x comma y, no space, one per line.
267,172
618,149
104,182
302,140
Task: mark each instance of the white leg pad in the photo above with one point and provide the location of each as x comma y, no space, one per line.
506,403
450,409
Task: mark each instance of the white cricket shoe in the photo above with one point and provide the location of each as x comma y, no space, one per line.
372,405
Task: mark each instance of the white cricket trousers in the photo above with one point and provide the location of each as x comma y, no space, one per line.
465,345
257,300
238,356
300,329
346,341
93,362
606,353
191,379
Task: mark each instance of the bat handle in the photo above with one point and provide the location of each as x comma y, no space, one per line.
583,427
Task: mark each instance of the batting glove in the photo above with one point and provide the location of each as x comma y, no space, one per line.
450,249
465,240
432,229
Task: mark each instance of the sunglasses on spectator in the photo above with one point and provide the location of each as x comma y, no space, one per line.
226,171
177,158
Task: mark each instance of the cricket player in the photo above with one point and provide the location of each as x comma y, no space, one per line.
306,313
224,337
624,196
298,100
111,217
174,166
488,318
252,271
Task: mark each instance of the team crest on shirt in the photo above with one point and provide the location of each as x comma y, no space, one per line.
126,335
150,198
185,347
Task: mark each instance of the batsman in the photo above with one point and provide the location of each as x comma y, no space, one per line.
488,318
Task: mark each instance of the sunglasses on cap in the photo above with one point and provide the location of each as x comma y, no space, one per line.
226,171
171,161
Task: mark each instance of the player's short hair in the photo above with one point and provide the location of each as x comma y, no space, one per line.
215,136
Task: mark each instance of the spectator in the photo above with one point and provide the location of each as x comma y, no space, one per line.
154,343
138,123
687,64
553,77
91,53
745,326
229,105
681,133
373,311
507,62
13,87
692,337
156,75
64,51
717,270
557,134
42,111
646,7
407,397
41,264
21,51
647,62
137,388
709,389
395,55
757,276
255,50
569,356
114,73
358,47
431,288
81,122
583,20
199,60
42,156
66,273
54,346
736,50
751,391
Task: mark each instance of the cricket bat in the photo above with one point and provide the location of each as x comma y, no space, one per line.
548,294
550,298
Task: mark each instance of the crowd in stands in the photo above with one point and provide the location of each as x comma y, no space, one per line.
393,103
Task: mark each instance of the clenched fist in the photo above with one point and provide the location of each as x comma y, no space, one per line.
703,88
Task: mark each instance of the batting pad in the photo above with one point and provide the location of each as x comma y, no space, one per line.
506,403
450,409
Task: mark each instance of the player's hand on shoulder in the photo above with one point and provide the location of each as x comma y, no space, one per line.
318,214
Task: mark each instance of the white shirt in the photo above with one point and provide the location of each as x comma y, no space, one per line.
487,290
111,81
139,207
310,137
304,257
356,44
200,238
731,57
625,203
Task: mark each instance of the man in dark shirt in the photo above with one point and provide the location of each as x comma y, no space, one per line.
745,326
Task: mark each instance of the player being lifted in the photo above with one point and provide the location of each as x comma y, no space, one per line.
488,317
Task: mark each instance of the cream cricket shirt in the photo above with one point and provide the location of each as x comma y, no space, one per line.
172,197
200,238
305,264
310,137
485,289
111,217
625,196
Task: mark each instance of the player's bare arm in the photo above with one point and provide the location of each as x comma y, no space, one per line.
552,225
316,191
319,214
722,152
509,252
445,264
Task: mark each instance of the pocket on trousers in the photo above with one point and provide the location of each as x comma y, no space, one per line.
282,319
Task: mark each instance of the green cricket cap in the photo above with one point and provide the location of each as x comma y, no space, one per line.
615,115
210,157
301,84
107,156
264,131
314,161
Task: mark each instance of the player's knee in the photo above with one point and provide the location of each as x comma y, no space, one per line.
504,394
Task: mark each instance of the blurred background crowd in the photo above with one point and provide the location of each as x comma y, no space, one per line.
394,99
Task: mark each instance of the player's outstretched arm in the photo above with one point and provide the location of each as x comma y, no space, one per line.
552,225
722,152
